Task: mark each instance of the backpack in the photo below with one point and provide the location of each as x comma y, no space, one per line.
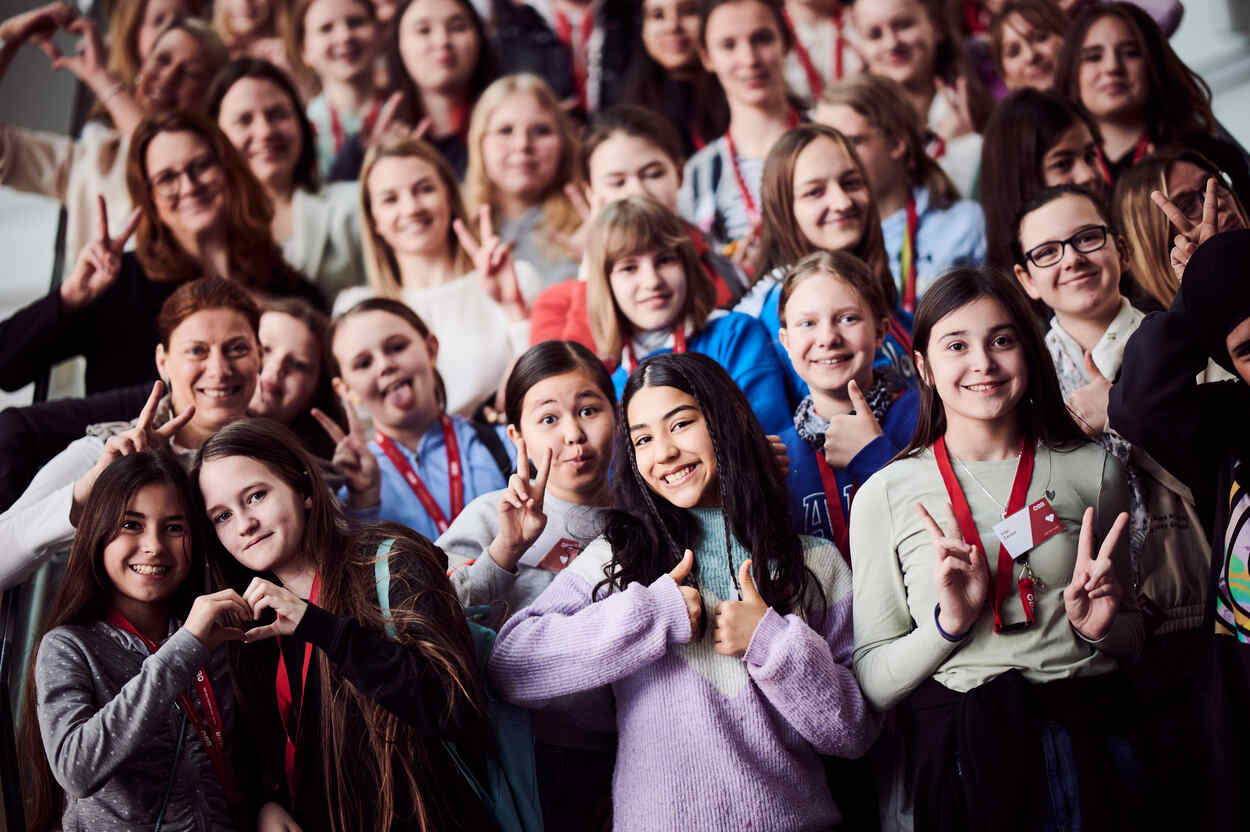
511,788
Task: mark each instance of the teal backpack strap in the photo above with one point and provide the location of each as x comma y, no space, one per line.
382,575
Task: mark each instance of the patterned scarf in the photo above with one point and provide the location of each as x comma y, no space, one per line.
887,385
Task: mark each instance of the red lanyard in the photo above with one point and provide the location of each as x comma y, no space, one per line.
679,346
815,81
907,259
212,734
580,51
963,514
1142,149
336,126
748,201
900,334
454,474
833,496
282,689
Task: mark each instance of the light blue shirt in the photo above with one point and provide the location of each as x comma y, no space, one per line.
947,239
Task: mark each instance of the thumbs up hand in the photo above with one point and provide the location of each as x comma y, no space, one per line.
850,432
1088,404
694,603
736,620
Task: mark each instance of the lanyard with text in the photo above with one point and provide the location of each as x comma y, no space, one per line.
968,528
579,51
212,734
748,201
907,259
455,475
282,689
679,346
336,126
833,496
815,81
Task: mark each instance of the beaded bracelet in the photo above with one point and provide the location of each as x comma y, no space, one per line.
937,608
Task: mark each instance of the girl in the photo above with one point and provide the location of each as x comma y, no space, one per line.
908,41
200,212
700,478
744,44
1181,177
855,417
1036,140
257,107
521,155
667,77
1118,65
394,691
647,294
508,546
927,228
477,296
628,152
132,30
208,354
255,29
431,464
335,44
993,438
1025,39
817,198
125,739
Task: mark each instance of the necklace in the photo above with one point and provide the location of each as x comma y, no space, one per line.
1001,508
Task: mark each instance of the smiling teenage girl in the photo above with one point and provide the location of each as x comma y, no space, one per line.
1037,669
721,720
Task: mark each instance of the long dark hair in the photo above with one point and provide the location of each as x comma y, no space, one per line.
552,358
305,175
1178,102
1023,129
374,762
1041,411
648,534
86,594
484,74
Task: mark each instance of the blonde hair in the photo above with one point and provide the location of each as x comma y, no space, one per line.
559,214
1146,229
632,226
381,267
844,266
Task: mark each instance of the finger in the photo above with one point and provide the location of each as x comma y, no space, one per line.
1210,201
1107,590
522,459
149,407
485,225
1085,544
1113,537
132,222
175,424
1174,215
387,114
467,240
749,592
578,199
329,426
935,531
103,222
539,487
681,571
261,633
509,498
1092,368
423,127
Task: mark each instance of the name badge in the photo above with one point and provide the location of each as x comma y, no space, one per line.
1028,528
560,555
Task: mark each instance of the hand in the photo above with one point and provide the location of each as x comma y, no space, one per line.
99,262
90,59
694,603
388,127
780,455
217,618
744,251
1093,597
353,457
1088,404
289,608
736,620
1190,236
960,122
521,517
38,26
141,437
492,259
587,204
849,433
960,575
273,818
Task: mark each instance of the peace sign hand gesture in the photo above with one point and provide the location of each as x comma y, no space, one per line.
1190,236
352,456
1093,597
960,575
521,517
141,437
99,262
389,127
492,259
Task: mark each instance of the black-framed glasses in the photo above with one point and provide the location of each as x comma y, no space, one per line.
167,183
1189,202
1086,241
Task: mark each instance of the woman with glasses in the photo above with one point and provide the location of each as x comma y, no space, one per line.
200,212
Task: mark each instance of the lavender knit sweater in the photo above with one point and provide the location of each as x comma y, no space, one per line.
706,741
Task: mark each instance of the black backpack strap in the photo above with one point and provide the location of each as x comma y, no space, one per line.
490,438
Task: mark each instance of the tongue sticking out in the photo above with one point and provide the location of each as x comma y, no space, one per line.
401,397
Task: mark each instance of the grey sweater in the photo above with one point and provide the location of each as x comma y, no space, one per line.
109,722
